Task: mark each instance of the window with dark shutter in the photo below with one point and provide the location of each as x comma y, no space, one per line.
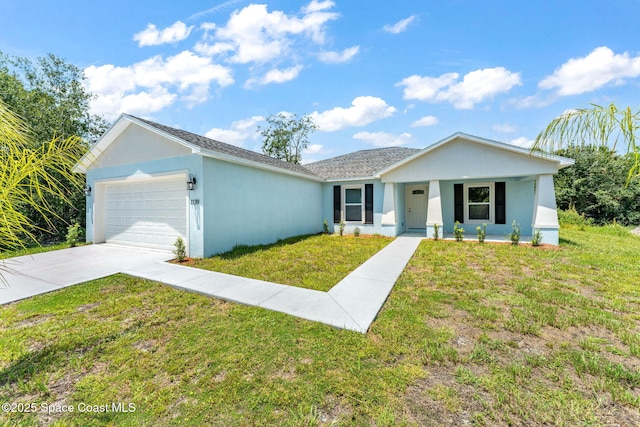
458,200
501,203
368,203
336,204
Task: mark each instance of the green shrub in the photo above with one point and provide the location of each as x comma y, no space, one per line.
181,250
514,236
341,227
482,232
458,232
436,229
73,235
325,227
572,217
536,238
356,232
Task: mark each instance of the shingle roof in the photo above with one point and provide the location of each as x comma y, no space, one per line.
363,163
232,150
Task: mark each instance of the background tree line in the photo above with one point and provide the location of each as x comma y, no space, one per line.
596,185
49,96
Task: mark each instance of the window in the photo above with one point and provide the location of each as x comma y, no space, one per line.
353,203
479,202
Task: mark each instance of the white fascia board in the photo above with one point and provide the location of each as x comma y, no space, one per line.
116,129
245,162
559,160
194,148
101,144
358,178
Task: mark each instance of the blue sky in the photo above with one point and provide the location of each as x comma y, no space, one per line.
370,73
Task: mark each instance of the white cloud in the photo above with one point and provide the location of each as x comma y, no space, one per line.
157,81
317,6
313,149
151,36
600,67
425,121
363,110
522,141
339,57
239,133
537,100
474,87
383,139
275,76
399,26
253,34
506,128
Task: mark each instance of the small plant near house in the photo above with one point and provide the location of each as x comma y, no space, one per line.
482,232
73,235
536,238
458,232
356,232
341,225
514,236
325,227
181,250
436,230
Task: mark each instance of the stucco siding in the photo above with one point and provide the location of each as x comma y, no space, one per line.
461,159
137,145
378,200
244,205
519,207
98,177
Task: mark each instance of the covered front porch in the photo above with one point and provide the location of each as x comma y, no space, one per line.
418,208
473,181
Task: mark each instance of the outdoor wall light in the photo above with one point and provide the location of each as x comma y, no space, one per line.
191,184
87,190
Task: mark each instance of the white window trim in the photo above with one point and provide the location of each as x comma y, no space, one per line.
491,186
344,202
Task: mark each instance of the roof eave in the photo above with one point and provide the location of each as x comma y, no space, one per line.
245,162
559,160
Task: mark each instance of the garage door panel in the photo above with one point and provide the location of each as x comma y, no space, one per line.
151,213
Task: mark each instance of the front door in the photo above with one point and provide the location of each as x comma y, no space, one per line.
417,199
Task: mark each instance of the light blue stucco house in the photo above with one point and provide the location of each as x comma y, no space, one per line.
148,184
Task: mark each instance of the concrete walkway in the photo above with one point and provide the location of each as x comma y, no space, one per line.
352,304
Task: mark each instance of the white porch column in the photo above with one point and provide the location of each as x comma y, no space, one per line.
389,204
434,209
545,214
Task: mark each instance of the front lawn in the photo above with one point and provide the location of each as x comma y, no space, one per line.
471,334
315,262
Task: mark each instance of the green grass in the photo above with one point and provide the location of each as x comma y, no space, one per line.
483,334
33,250
315,262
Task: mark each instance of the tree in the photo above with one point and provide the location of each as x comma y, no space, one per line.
50,96
30,173
286,136
595,185
603,126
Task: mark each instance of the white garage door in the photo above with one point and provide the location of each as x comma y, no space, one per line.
150,213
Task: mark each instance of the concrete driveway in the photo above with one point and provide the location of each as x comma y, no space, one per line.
30,275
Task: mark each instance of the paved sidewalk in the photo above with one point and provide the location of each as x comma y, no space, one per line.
352,304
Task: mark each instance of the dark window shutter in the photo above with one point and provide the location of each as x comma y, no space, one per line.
336,204
458,200
368,203
500,203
